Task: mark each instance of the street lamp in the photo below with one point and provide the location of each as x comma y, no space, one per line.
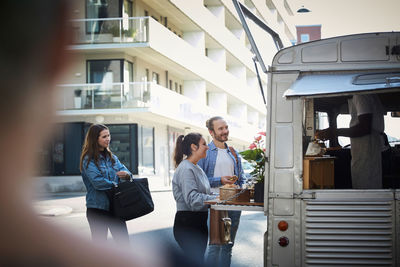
303,10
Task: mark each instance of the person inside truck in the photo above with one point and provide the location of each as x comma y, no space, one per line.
366,139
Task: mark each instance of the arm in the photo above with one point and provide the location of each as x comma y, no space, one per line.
123,172
193,197
96,178
363,127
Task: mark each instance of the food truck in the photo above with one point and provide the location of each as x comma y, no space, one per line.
315,218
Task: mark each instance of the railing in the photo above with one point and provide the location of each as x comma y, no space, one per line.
104,95
157,99
110,30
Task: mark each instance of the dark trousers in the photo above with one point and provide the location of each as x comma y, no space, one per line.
191,233
101,220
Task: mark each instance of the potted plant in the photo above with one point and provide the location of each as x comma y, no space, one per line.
255,155
129,34
77,98
115,31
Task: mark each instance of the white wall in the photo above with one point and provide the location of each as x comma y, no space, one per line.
195,90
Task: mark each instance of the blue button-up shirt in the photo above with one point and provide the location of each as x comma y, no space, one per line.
208,165
99,179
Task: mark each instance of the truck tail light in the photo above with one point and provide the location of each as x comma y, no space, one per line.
283,225
283,241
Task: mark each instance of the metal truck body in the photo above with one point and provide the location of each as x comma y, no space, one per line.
338,226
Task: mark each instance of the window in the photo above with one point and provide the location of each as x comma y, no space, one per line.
343,121
305,37
128,72
156,77
127,9
107,73
61,155
97,9
104,71
123,144
147,75
321,120
173,135
120,143
176,87
146,149
170,84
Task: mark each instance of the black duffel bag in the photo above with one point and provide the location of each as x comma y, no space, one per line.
131,199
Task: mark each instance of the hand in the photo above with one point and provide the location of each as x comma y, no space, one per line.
325,134
123,175
228,179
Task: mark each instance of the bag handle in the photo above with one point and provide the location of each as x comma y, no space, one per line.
119,180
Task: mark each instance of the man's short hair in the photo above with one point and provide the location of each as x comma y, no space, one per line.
210,122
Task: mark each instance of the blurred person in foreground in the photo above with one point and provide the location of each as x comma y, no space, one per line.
191,188
100,171
32,58
222,166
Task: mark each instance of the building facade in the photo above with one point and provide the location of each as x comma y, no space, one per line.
155,69
308,33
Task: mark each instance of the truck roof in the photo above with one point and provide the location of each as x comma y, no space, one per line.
369,51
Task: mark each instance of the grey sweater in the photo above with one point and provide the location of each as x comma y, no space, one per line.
190,187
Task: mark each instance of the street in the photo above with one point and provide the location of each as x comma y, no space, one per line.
248,249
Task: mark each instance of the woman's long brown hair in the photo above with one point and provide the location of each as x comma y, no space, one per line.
91,147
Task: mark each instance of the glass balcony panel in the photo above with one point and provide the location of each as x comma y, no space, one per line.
159,100
110,30
104,96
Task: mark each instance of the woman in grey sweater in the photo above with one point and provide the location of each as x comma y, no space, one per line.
191,188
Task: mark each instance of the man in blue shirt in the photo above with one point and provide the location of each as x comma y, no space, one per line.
222,165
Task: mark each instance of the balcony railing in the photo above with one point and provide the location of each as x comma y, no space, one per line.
104,95
110,30
149,95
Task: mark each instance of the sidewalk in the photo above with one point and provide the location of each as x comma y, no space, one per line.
53,192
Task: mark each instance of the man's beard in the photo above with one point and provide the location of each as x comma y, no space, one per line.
222,138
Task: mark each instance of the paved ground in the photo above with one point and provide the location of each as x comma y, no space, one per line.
68,210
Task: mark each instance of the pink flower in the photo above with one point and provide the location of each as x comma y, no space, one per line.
261,133
252,146
258,138
264,149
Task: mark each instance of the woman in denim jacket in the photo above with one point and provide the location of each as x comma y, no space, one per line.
100,170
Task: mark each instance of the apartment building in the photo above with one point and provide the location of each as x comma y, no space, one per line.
152,70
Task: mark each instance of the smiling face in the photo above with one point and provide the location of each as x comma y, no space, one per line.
104,139
200,151
220,131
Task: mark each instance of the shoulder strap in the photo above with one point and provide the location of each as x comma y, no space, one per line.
234,154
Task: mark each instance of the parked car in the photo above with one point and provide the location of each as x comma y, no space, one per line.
247,169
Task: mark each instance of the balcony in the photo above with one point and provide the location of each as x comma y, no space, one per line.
110,30
104,96
159,103
156,43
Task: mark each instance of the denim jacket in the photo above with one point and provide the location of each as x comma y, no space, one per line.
98,180
208,165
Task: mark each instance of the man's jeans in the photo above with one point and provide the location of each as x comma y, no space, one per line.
220,255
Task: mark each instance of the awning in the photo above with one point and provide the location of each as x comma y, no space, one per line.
319,85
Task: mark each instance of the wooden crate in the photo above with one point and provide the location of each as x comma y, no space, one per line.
226,193
318,173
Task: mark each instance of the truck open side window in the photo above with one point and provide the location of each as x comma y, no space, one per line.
332,111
